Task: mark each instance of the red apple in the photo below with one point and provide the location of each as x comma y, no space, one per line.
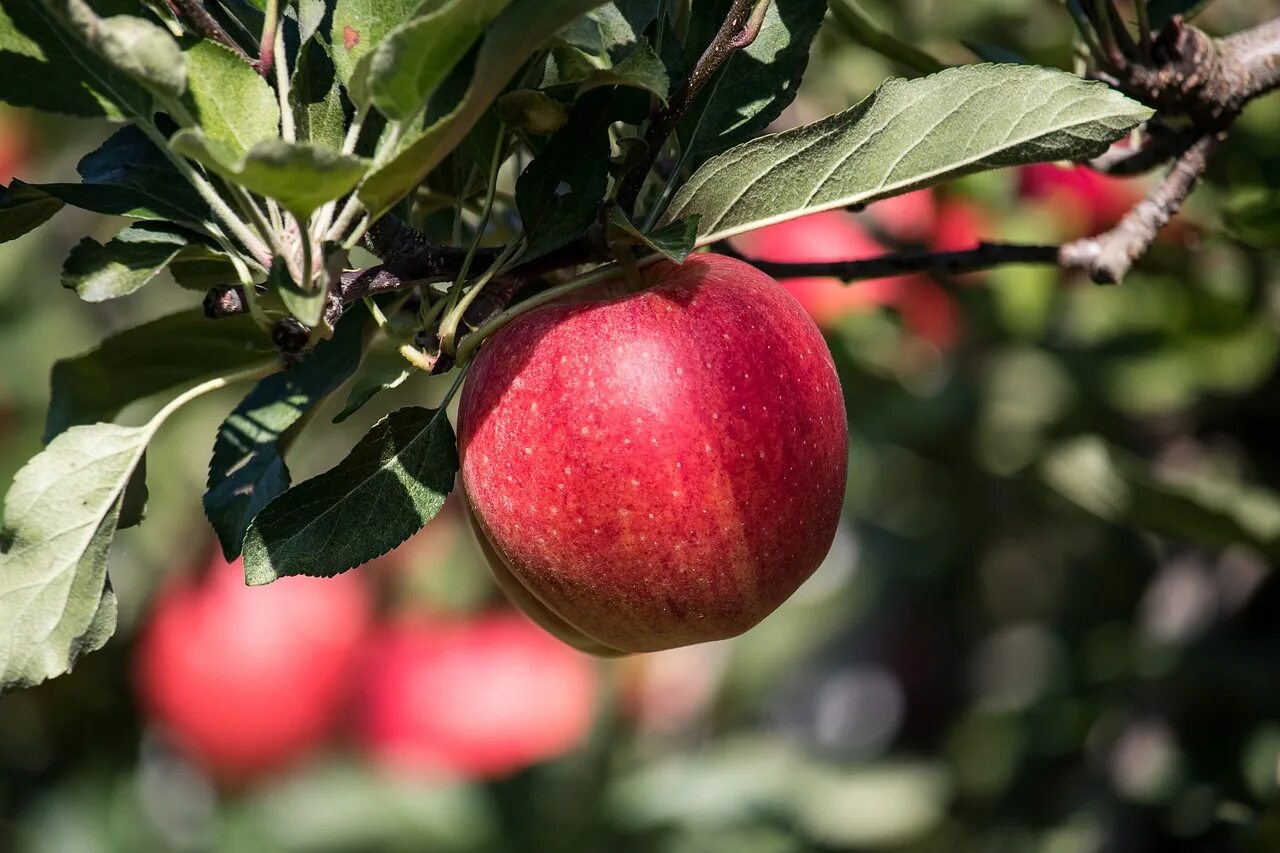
1083,201
833,235
907,218
14,143
659,469
247,679
476,699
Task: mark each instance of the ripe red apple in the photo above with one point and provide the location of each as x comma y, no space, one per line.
248,679
477,699
659,469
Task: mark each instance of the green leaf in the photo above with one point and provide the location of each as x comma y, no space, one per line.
232,101
1123,489
319,110
299,176
621,25
46,68
98,272
306,306
399,474
137,48
906,135
532,111
642,69
247,469
674,242
411,62
515,34
754,85
167,353
358,26
129,176
383,369
857,23
199,267
560,191
59,519
24,208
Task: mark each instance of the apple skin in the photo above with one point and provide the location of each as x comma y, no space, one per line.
246,680
660,469
477,698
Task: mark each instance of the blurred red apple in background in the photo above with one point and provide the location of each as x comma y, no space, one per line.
660,469
832,235
915,218
477,699
15,143
247,679
1083,201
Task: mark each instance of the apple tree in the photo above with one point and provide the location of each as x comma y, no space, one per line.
263,148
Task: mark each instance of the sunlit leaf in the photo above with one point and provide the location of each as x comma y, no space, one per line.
399,473
907,134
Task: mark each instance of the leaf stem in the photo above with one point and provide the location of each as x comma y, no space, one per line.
450,325
287,129
237,226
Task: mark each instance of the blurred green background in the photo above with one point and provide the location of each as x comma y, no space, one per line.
1049,621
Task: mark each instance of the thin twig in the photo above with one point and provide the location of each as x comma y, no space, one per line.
739,30
1108,256
981,257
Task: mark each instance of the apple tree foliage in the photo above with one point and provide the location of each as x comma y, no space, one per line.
265,172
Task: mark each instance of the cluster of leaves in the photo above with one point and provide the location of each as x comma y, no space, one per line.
409,109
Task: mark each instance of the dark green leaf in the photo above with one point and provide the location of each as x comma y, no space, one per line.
135,47
560,191
232,101
199,268
907,134
674,241
383,369
132,258
642,69
247,469
46,68
522,27
24,208
532,111
128,176
754,85
147,359
299,176
399,474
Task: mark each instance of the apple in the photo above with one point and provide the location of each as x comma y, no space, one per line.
832,235
14,143
245,680
476,698
659,469
1083,201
